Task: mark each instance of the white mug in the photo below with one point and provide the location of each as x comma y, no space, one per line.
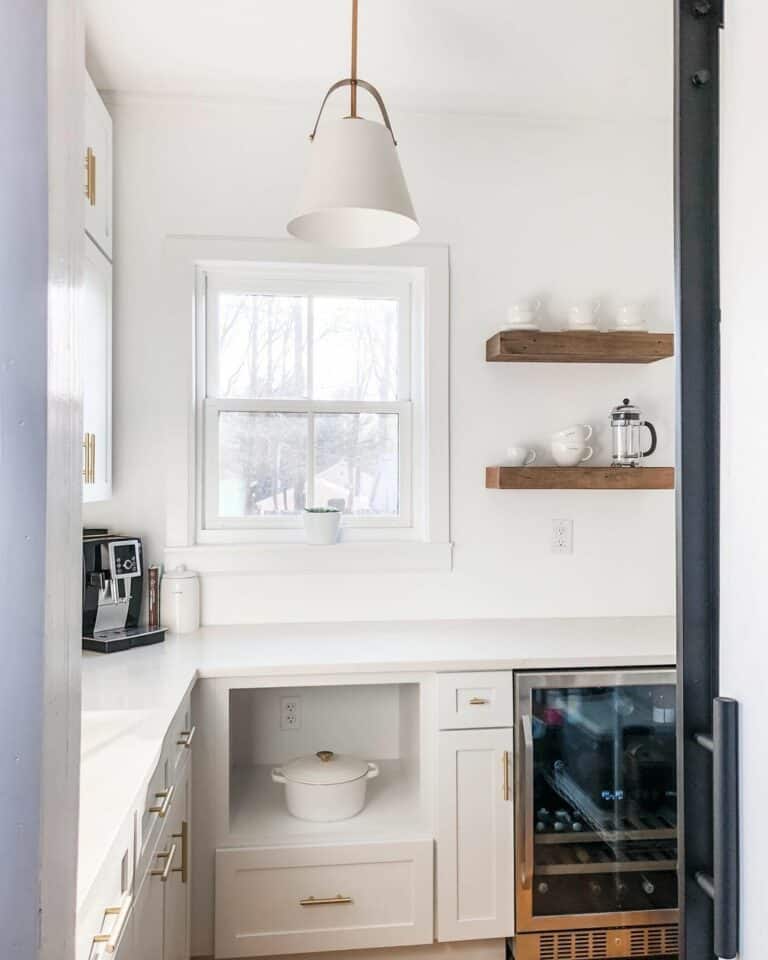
583,316
571,454
519,456
577,433
522,314
630,317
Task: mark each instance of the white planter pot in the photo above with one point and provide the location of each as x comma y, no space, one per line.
333,799
322,529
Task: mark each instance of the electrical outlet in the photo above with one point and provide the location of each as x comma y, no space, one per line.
290,713
562,536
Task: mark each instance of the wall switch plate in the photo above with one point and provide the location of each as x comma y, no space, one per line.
290,713
562,536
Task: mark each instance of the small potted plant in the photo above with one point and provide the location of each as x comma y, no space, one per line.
321,525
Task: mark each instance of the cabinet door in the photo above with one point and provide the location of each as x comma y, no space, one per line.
176,910
148,918
95,338
475,862
98,169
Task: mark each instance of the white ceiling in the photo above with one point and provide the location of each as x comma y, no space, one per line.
537,58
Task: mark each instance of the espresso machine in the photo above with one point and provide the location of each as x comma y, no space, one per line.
113,581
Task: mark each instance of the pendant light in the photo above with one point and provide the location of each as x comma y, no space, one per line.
354,194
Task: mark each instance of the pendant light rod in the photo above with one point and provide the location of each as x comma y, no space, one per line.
353,71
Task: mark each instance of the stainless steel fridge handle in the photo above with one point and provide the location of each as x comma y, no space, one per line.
526,865
722,886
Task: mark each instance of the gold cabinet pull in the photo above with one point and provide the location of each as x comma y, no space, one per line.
112,939
90,176
324,901
184,837
186,737
162,808
478,701
505,778
167,855
89,458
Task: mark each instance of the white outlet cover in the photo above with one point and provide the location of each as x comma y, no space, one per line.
562,536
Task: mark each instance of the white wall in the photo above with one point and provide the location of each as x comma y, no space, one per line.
555,211
744,559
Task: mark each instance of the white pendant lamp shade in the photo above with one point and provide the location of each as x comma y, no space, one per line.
354,193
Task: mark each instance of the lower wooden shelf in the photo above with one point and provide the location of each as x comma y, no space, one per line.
580,478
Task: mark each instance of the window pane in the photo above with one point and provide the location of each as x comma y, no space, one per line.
356,463
262,464
355,347
262,345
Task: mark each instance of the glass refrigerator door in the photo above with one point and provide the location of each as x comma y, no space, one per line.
598,772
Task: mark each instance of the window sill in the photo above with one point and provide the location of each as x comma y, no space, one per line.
302,558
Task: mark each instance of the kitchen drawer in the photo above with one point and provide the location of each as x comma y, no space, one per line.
179,739
471,700
279,900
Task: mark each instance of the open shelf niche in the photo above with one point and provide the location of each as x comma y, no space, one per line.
375,722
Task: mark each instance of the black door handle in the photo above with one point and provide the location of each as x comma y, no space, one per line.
723,885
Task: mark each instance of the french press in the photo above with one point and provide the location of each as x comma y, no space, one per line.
626,420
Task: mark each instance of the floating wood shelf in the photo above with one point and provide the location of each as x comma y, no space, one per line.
569,346
580,478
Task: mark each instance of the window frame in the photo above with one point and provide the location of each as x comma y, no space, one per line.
311,279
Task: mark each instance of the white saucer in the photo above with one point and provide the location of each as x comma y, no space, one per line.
529,327
640,328
592,328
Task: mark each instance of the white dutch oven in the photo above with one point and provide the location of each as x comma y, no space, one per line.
326,786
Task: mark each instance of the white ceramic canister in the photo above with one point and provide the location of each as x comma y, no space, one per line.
326,786
180,600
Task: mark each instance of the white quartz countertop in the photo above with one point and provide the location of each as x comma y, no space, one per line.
129,698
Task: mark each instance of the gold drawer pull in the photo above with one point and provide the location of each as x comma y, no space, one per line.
167,855
478,701
184,837
324,901
186,737
112,939
162,808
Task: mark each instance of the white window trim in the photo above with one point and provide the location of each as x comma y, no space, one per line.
364,548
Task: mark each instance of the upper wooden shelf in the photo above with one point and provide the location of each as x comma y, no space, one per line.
580,478
575,346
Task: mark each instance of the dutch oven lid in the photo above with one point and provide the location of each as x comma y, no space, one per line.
324,767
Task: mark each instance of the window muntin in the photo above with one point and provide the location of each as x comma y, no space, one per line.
308,399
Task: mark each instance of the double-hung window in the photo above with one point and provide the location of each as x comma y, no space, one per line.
308,401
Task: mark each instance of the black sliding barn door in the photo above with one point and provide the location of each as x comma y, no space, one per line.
708,873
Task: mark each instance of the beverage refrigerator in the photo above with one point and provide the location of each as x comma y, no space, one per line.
596,817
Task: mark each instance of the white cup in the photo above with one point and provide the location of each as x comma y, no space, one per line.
577,433
522,314
629,316
583,316
519,456
571,454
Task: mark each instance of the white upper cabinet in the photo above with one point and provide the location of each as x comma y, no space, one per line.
95,334
98,169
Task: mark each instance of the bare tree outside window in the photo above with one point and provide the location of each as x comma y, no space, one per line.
330,359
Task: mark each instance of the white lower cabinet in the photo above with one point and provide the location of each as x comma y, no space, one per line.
176,899
282,900
475,835
148,920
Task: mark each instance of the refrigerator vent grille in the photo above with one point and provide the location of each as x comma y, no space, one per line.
653,941
579,945
594,944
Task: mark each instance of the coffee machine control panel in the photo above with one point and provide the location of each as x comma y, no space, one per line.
124,558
